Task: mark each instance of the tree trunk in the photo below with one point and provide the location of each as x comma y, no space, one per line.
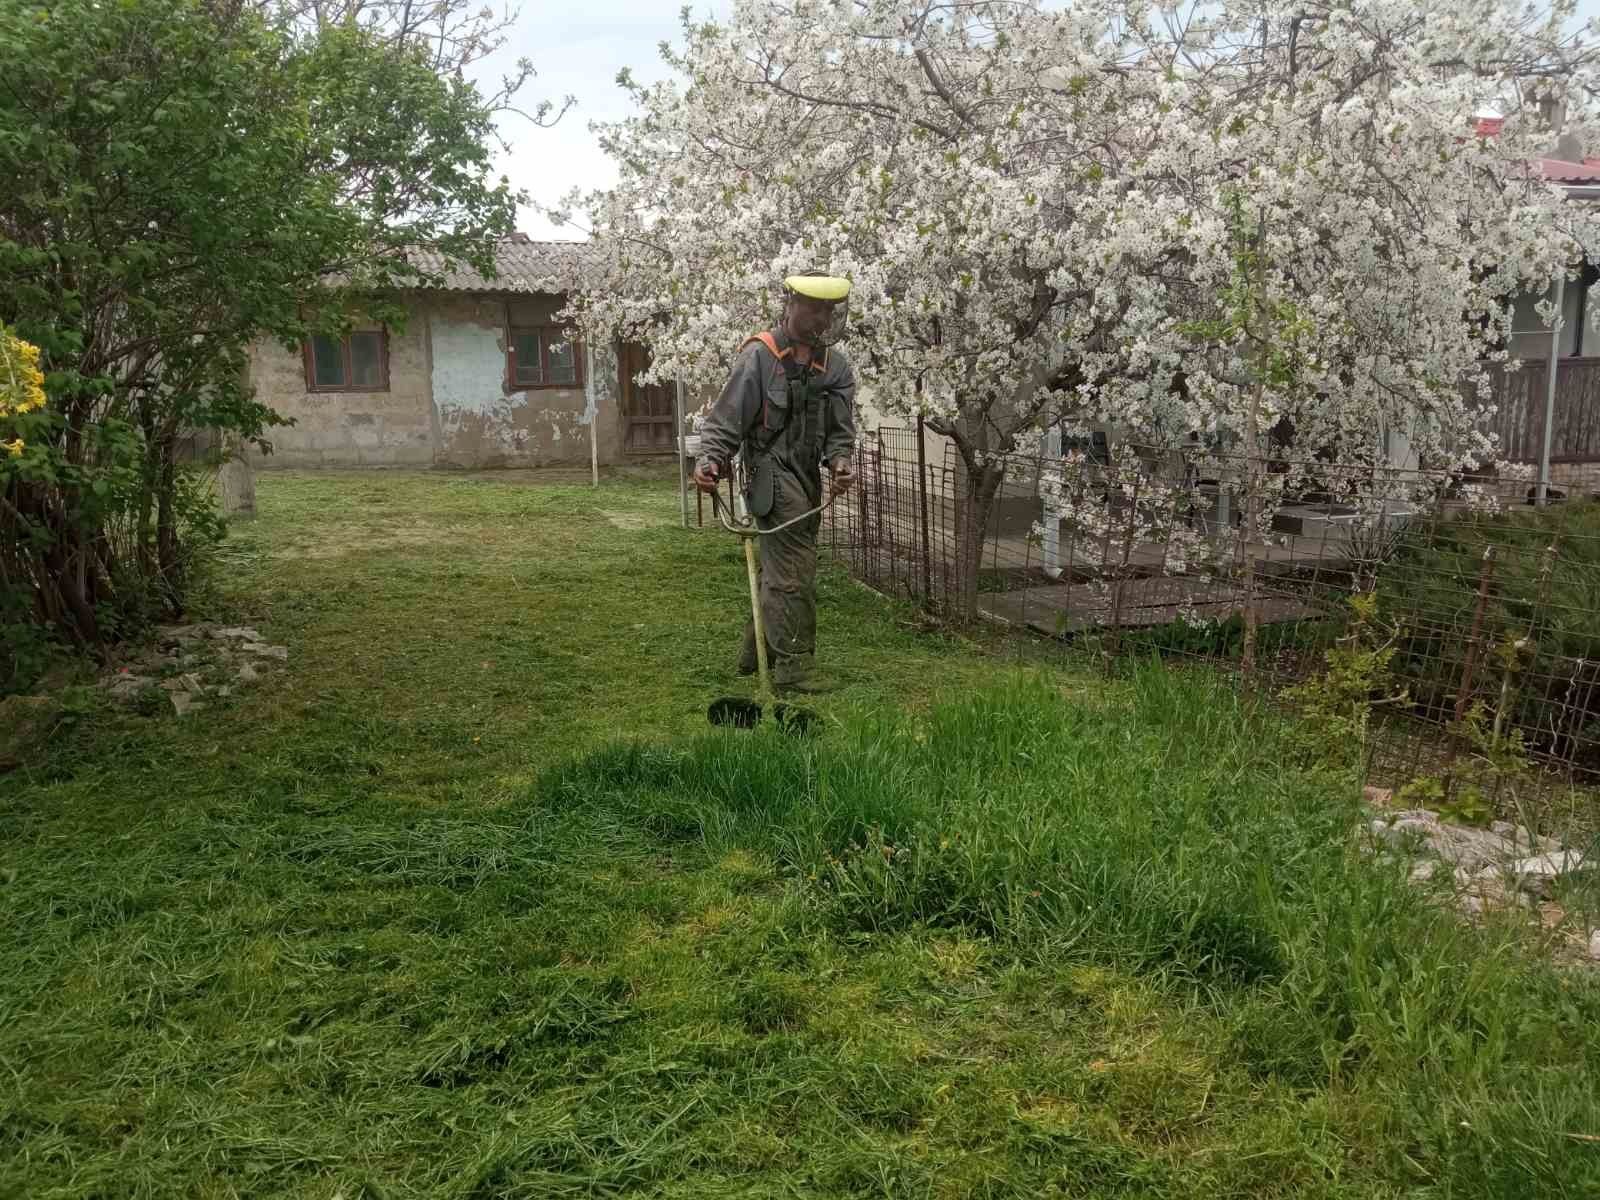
64,575
982,484
63,592
144,539
1253,476
170,583
1254,482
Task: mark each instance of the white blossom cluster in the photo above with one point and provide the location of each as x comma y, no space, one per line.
1050,214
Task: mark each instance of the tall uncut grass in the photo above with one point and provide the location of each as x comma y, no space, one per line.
1170,832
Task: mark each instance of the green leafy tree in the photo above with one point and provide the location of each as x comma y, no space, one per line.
181,177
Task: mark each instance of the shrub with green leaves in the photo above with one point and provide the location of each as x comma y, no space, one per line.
1337,704
182,177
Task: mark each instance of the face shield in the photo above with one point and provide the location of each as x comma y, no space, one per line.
816,308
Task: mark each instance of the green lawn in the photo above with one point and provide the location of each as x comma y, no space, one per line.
464,900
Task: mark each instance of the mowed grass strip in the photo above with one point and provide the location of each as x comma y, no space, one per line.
466,901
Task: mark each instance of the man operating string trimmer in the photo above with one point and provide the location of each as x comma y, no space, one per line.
788,409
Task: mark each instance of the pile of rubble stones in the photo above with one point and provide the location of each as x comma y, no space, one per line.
190,662
1499,867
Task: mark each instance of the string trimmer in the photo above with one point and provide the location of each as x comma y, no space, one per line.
739,711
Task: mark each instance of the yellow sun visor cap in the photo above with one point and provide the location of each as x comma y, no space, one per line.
819,287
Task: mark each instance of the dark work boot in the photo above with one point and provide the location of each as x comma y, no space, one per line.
796,677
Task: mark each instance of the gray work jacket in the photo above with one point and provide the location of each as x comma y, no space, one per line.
755,406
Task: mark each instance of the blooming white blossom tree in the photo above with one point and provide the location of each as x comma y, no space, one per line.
1178,218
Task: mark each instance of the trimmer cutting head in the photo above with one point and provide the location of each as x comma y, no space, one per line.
794,720
736,712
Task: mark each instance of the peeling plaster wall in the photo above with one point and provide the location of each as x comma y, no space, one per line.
482,423
1576,479
447,404
476,425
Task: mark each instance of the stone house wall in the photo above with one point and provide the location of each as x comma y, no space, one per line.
448,402
1576,479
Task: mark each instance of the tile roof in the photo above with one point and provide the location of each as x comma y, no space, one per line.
1559,171
524,266
1556,170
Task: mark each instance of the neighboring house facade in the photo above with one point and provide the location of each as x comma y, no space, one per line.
1520,395
480,376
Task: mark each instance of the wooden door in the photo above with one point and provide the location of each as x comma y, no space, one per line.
647,412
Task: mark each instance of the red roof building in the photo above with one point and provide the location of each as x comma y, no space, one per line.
1560,171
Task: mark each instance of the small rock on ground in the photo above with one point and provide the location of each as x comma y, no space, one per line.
1538,874
1521,835
124,687
1460,845
182,633
179,664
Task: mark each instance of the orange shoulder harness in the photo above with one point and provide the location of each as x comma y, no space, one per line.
771,343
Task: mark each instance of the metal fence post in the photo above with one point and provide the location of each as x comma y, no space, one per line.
683,482
1485,575
1550,389
922,504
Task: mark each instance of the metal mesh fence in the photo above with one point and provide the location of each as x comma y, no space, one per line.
895,531
1480,614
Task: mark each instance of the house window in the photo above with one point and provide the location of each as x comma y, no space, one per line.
1530,336
542,356
358,362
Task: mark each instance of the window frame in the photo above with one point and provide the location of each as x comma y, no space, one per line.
1584,283
545,334
308,354
1584,340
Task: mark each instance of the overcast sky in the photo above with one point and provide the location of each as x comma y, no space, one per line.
578,46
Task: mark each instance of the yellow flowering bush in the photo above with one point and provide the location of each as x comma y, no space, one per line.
21,381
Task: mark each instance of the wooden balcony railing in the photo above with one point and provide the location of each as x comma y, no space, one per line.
1520,399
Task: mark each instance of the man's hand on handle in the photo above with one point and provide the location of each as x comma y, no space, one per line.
843,475
706,476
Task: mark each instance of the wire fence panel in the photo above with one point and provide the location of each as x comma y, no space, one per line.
894,532
1491,606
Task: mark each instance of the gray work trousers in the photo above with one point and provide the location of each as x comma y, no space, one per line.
788,571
